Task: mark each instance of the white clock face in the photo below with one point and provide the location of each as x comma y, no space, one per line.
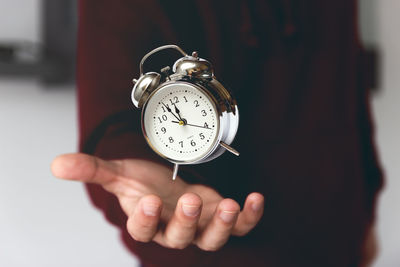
181,122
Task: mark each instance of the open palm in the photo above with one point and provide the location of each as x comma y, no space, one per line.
172,213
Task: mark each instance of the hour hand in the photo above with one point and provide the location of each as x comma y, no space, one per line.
170,111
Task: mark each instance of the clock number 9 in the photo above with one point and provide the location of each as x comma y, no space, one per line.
163,130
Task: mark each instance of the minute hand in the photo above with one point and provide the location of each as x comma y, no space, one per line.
170,111
178,112
193,125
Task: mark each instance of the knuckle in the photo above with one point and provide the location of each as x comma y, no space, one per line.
191,198
177,245
208,247
146,225
140,238
187,225
240,232
136,234
132,233
129,226
180,246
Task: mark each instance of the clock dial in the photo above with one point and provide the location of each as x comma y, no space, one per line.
181,122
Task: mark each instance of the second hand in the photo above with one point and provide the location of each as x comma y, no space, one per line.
193,125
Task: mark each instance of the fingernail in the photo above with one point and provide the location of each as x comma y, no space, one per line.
256,206
227,216
190,210
150,210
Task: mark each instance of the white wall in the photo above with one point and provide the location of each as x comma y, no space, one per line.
45,221
20,20
381,28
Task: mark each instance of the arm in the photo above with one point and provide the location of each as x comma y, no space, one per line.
136,187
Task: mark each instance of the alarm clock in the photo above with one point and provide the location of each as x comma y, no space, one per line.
188,117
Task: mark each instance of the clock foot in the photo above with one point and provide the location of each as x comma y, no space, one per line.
175,172
229,148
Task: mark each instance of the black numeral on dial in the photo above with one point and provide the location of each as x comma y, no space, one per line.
164,118
175,100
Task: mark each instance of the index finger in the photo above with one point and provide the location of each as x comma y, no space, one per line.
85,168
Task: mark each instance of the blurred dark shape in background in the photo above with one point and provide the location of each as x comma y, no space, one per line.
371,63
52,60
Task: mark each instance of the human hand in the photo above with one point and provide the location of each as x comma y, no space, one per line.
370,249
172,213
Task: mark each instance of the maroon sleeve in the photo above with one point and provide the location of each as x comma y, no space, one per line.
113,36
373,172
112,39
294,67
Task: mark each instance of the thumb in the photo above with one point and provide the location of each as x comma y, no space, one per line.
85,168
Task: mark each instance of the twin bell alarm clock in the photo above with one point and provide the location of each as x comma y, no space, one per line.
188,117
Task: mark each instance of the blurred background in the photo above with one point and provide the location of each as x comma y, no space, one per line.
48,222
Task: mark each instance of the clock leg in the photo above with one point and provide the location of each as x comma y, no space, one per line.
229,148
175,172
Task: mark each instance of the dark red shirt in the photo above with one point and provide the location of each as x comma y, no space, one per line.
305,134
